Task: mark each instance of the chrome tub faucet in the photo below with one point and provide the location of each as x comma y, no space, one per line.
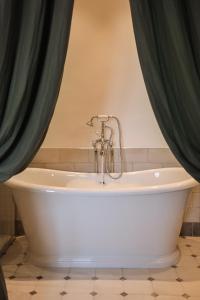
103,147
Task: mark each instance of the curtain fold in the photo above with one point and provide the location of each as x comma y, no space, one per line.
167,35
34,38
3,291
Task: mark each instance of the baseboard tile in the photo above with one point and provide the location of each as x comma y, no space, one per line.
190,229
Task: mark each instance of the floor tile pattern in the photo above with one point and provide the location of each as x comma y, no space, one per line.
28,282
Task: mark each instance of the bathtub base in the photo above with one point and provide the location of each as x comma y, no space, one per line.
107,261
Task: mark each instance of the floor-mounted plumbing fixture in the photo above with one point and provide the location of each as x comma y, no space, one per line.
103,147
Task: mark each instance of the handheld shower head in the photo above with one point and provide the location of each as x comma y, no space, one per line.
102,118
90,123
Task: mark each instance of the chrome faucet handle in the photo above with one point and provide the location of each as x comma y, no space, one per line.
94,144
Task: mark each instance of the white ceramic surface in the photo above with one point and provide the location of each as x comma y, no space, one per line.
72,221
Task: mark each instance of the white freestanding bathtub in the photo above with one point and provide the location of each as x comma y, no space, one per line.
71,220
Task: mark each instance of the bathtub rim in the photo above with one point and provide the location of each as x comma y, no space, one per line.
154,189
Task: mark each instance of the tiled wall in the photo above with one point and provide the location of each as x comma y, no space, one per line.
82,160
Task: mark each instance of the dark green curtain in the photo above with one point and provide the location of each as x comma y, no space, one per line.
167,35
33,43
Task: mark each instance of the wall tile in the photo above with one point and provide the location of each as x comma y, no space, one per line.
60,166
73,155
37,165
146,166
171,165
91,156
196,189
84,167
196,229
126,167
161,155
192,214
45,155
195,199
189,200
187,229
135,154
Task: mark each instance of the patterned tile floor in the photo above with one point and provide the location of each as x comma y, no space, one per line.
27,282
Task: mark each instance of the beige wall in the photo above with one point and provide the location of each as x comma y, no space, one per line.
102,75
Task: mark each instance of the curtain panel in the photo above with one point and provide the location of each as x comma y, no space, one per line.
33,44
34,37
167,35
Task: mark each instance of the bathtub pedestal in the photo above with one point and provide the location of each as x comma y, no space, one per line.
107,262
